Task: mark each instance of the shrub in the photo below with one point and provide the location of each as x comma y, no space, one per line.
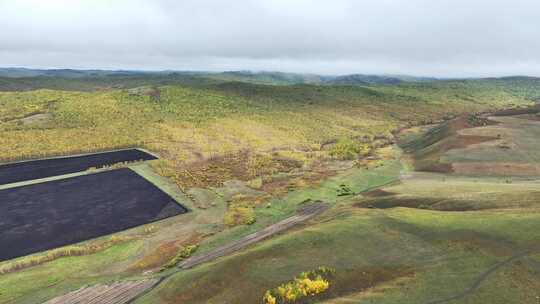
269,298
183,254
256,183
344,190
307,284
239,215
348,149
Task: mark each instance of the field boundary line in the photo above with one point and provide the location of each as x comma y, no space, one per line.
76,155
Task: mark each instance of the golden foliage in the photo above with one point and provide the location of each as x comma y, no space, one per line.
269,298
307,284
239,215
183,254
348,149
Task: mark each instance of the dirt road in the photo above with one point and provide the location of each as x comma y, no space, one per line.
302,215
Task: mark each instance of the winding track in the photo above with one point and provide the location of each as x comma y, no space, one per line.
484,275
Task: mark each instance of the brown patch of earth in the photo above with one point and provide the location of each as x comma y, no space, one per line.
454,142
161,255
353,281
437,168
429,203
243,166
518,111
318,172
472,241
533,117
277,187
393,201
378,290
496,168
461,142
36,119
164,253
469,121
427,150
377,193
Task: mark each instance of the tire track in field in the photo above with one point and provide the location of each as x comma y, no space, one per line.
484,276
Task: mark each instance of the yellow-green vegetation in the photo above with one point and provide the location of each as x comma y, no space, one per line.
239,215
307,285
183,254
192,123
347,149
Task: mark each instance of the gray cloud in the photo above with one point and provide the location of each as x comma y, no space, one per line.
422,37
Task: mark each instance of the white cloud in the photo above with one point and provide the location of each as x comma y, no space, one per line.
424,37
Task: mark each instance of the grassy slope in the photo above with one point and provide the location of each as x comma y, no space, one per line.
369,248
394,255
413,255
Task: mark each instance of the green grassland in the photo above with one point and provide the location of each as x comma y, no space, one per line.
234,148
459,240
434,252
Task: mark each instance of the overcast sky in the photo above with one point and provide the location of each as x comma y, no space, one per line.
452,38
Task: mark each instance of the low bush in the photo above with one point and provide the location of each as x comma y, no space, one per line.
306,285
239,215
348,149
183,254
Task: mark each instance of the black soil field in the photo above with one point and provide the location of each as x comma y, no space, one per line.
30,170
43,216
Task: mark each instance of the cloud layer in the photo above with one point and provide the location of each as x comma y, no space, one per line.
422,37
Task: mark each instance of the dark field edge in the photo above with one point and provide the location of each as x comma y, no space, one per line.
54,157
27,170
182,210
186,210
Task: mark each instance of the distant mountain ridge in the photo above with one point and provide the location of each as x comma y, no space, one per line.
262,77
294,78
26,78
65,73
